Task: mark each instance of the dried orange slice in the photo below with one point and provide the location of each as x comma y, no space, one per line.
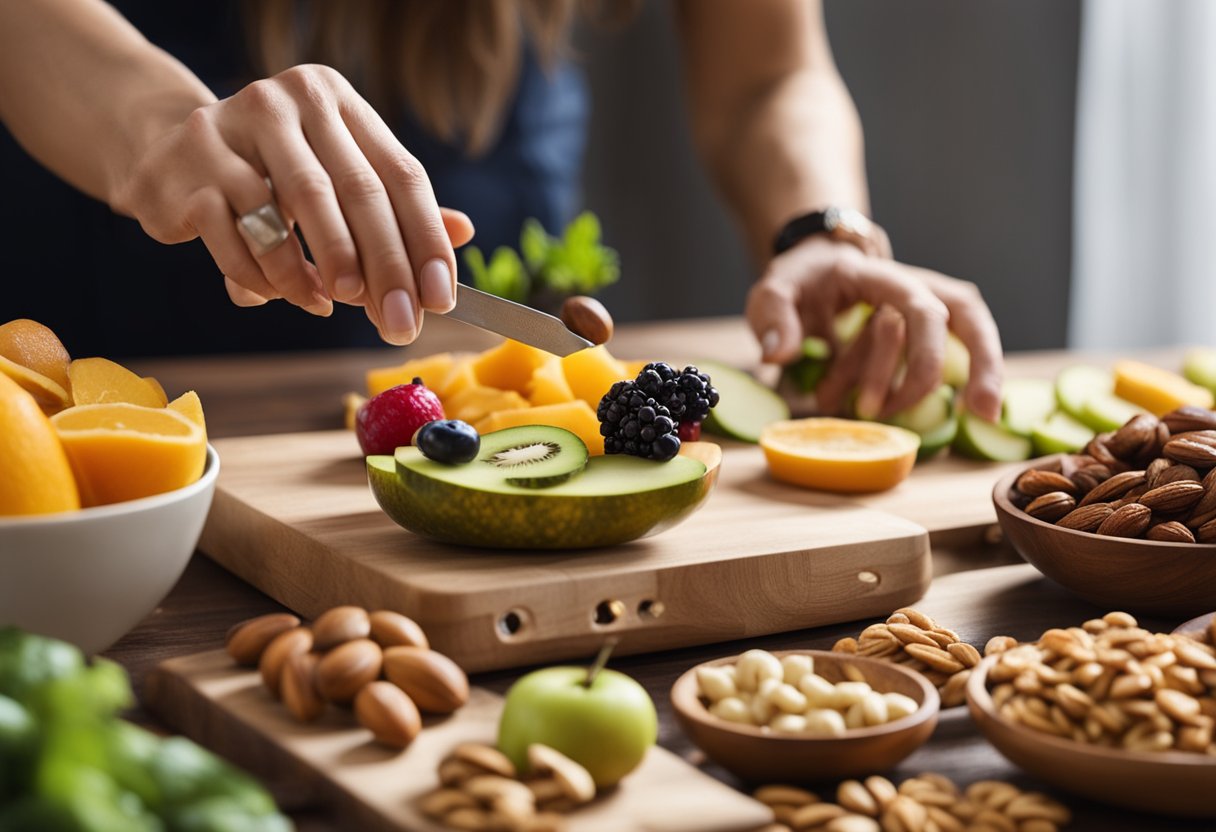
124,451
839,454
37,478
101,381
49,394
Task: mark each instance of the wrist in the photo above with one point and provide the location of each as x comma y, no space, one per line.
836,223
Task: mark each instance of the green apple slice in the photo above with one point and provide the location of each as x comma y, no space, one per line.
1076,385
934,441
1060,434
933,419
979,439
1199,367
957,368
1106,411
745,406
1026,402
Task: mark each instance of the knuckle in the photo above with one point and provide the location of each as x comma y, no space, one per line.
969,292
199,124
407,173
309,184
359,183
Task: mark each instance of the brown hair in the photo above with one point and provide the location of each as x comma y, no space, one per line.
455,62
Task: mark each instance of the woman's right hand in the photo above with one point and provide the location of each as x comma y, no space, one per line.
363,204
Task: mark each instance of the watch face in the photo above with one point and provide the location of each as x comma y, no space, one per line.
847,221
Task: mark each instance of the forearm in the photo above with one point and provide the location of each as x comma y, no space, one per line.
84,92
794,147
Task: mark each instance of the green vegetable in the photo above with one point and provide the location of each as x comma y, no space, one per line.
68,764
574,264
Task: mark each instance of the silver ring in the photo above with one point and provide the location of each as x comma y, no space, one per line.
263,229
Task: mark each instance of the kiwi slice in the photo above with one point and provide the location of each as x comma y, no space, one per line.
530,456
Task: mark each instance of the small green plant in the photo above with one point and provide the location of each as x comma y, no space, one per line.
573,264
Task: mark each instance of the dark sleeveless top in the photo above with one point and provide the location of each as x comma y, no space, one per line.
108,289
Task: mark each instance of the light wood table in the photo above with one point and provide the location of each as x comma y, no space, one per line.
985,595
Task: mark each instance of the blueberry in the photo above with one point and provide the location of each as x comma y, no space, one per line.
665,447
448,440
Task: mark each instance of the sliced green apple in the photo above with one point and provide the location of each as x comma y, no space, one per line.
1199,367
615,499
1106,411
933,419
1025,403
745,406
957,368
980,439
1060,434
1078,384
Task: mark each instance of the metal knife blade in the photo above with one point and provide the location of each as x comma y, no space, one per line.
514,320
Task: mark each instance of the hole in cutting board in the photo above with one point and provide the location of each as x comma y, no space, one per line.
649,609
607,612
511,623
868,577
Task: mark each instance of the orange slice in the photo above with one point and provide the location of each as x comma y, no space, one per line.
1157,391
49,394
101,381
124,451
37,478
35,346
188,405
158,390
839,454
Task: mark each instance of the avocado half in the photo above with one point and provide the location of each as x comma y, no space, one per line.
614,500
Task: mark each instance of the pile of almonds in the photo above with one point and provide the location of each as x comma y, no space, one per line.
925,803
481,790
1152,478
1112,683
380,663
914,640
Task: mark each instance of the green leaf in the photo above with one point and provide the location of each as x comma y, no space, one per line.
535,244
503,276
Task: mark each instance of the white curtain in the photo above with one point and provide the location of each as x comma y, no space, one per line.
1144,251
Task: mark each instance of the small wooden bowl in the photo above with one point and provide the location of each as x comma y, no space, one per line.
1164,783
757,756
1171,579
1200,628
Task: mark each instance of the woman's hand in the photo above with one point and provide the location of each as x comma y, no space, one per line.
803,290
363,204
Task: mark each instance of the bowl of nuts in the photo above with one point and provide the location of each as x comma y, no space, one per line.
803,715
1131,522
1107,710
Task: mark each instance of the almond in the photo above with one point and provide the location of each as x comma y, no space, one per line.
392,629
1051,507
338,626
1189,418
1036,483
1155,469
1207,532
575,780
435,682
1088,477
1114,488
246,641
1129,441
344,671
1174,497
1098,450
1128,521
1197,448
388,712
1176,473
587,317
285,645
1170,532
1086,518
298,684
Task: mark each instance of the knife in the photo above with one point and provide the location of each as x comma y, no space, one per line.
514,320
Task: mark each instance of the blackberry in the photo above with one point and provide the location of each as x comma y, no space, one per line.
687,394
634,423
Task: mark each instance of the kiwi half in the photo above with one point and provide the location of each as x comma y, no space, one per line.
530,456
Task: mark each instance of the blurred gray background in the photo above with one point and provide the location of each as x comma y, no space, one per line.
968,111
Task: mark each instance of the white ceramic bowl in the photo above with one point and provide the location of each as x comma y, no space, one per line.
90,576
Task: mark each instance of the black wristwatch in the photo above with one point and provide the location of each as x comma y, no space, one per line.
847,225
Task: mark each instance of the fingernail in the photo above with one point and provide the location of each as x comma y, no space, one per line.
397,316
770,341
435,286
347,287
321,306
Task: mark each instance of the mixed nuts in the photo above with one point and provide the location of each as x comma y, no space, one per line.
1152,478
379,663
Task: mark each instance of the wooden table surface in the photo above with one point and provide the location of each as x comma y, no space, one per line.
246,395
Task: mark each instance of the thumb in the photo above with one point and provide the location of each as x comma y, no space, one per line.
772,314
458,225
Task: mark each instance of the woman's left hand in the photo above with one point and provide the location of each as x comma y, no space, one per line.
803,290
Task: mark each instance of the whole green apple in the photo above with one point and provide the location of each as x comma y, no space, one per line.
606,727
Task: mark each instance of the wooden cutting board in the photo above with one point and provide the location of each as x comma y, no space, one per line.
225,708
293,515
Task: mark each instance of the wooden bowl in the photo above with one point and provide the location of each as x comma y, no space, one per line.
757,755
1170,579
1200,628
1164,783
